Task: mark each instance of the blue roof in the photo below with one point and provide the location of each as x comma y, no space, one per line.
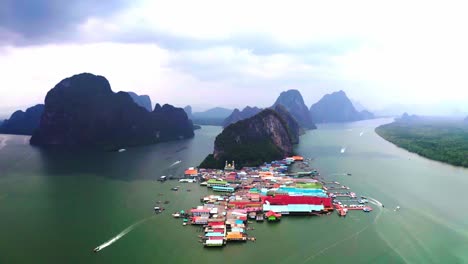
239,222
215,234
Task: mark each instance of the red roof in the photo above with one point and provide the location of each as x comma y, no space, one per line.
287,199
215,223
270,213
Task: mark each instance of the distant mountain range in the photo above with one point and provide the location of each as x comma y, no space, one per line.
214,116
336,107
237,115
142,100
83,111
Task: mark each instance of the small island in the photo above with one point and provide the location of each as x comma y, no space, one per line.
250,142
441,140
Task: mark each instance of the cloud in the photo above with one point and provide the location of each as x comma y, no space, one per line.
25,22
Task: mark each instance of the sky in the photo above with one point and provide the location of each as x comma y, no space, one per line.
210,53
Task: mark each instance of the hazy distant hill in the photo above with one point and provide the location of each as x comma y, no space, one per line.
23,123
293,102
83,111
188,111
336,107
142,100
252,141
214,116
466,120
237,115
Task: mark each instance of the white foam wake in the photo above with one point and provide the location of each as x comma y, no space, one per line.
3,142
175,163
121,234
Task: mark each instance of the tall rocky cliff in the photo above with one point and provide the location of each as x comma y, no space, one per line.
336,107
237,115
23,123
294,129
82,111
252,141
293,102
142,100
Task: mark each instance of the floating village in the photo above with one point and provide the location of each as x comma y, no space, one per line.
262,194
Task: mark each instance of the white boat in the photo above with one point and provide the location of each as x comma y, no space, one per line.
121,150
176,215
343,150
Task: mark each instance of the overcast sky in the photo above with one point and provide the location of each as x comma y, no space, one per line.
238,53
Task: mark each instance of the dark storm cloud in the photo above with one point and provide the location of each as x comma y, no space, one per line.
25,22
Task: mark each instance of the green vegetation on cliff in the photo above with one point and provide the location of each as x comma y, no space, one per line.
252,141
438,140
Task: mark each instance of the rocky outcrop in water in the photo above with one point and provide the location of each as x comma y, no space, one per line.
23,123
336,107
293,102
83,111
237,115
250,142
142,100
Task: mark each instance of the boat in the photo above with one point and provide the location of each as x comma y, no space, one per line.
121,150
166,202
96,250
163,178
175,189
176,215
367,209
397,208
349,174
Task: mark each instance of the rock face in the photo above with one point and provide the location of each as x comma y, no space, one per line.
252,141
237,115
293,102
336,107
82,111
294,129
188,111
23,123
142,100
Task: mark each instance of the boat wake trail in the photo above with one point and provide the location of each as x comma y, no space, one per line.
374,201
3,142
121,234
354,235
175,163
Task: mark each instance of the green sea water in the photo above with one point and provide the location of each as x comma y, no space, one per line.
57,206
